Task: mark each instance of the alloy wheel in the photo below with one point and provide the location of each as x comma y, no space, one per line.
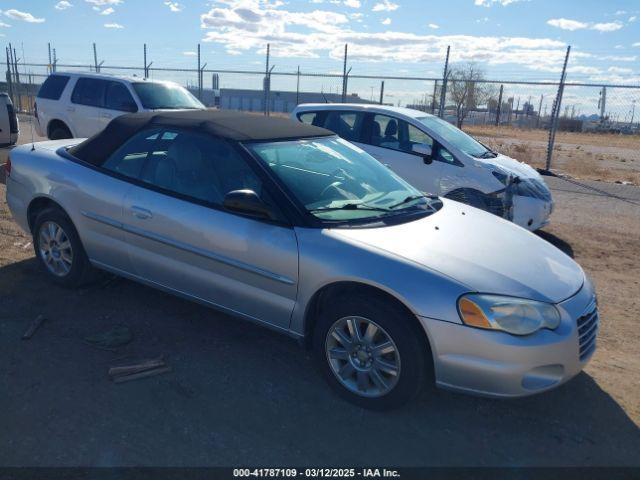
363,356
55,248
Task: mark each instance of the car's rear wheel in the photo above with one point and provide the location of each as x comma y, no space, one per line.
370,352
59,250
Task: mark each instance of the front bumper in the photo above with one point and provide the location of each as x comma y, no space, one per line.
497,364
531,213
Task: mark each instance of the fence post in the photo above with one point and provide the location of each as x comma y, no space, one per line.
433,98
266,81
50,69
499,108
298,87
555,111
199,76
381,92
443,90
344,75
95,58
145,62
55,60
9,75
539,110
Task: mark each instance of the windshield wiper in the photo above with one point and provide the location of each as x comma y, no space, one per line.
350,206
410,198
487,154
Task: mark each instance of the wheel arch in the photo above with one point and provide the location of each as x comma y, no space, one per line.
40,203
57,122
331,290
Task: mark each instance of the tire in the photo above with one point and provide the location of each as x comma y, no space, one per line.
60,132
411,358
59,250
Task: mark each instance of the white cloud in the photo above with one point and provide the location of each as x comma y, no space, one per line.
353,3
107,11
174,6
637,44
24,16
102,3
385,6
63,5
117,26
632,19
567,24
190,53
619,70
386,21
435,26
490,3
606,27
4,25
572,25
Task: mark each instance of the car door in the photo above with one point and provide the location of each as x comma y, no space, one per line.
87,104
99,193
118,101
392,141
181,238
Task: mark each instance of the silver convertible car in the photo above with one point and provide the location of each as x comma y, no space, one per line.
289,226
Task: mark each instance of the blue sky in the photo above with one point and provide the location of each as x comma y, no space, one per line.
509,39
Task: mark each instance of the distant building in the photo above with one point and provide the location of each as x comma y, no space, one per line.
279,101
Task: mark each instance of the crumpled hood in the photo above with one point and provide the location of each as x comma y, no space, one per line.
478,249
513,166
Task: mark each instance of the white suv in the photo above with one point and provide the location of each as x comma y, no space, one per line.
81,104
438,158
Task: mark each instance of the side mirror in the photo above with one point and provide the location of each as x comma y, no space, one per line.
424,150
246,202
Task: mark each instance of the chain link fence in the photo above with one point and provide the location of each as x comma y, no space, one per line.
586,130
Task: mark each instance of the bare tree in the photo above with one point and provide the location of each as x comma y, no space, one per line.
467,91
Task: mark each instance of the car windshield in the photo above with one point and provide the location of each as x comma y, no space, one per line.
456,137
156,96
337,181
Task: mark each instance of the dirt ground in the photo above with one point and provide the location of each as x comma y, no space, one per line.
593,156
242,395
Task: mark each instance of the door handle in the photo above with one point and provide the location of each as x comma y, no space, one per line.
141,213
71,109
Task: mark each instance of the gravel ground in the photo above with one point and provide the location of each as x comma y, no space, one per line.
242,395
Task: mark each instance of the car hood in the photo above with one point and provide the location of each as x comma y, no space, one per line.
484,252
512,166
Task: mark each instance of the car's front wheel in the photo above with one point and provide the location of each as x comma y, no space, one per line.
370,352
59,250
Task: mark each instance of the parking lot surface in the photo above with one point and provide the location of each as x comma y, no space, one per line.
239,394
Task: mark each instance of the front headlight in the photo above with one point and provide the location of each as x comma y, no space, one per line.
517,316
529,187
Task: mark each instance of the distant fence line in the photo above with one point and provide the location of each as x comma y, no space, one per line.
440,98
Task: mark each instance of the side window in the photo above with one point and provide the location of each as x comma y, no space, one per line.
397,134
53,87
308,117
119,98
197,166
385,132
129,159
89,91
348,125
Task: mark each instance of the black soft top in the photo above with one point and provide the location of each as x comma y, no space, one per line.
236,126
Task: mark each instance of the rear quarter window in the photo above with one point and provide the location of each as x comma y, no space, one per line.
53,87
89,91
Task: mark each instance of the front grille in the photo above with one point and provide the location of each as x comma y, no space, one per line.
587,332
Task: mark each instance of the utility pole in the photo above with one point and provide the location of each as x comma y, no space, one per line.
555,111
445,76
344,75
381,92
499,105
